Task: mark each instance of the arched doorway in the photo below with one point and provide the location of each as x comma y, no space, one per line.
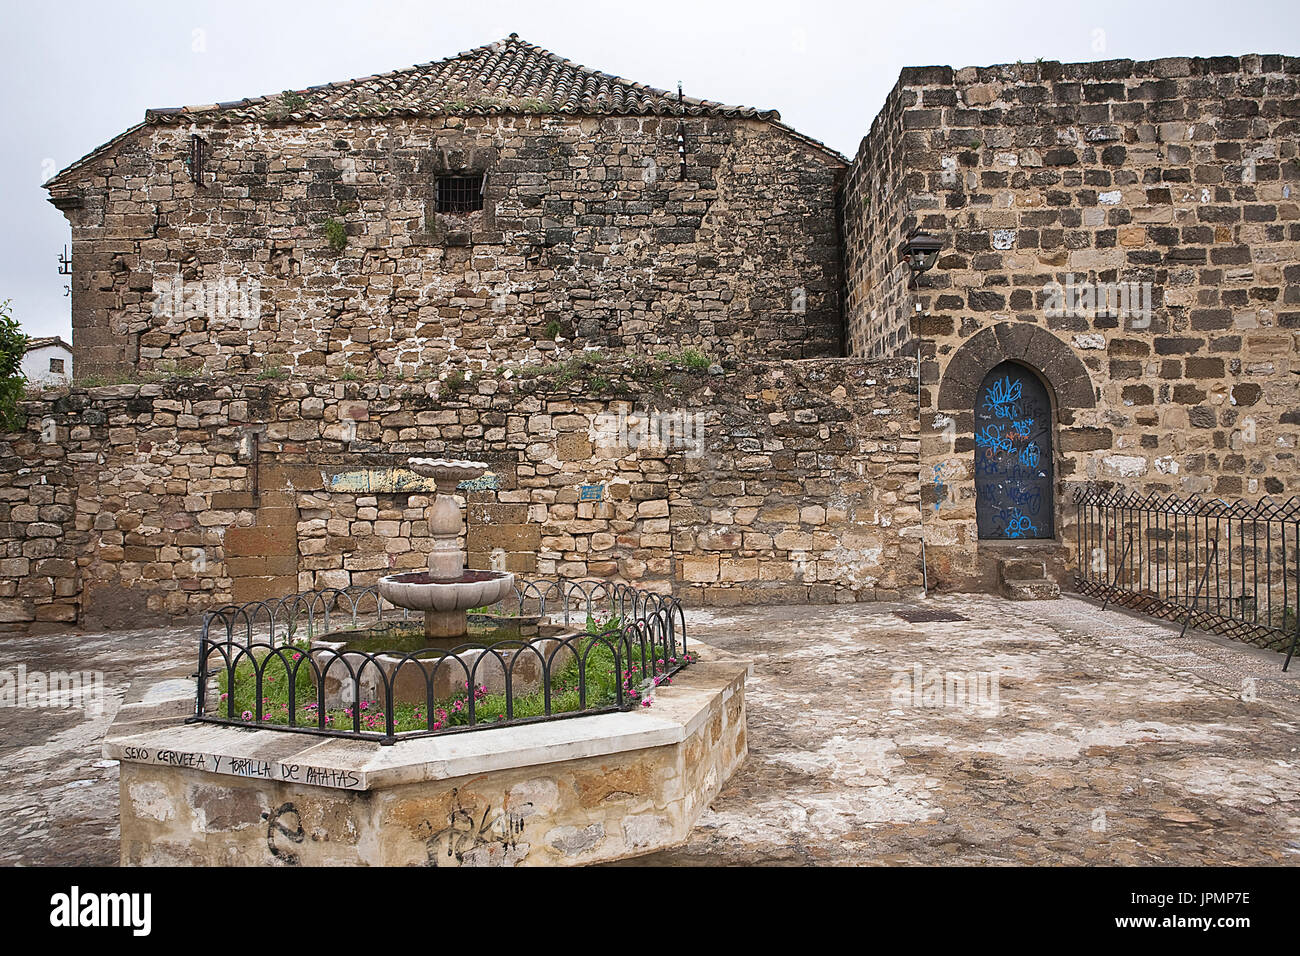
1013,455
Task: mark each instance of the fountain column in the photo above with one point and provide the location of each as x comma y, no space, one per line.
446,560
446,590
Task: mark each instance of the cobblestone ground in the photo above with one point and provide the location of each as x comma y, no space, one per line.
1110,740
58,795
1114,742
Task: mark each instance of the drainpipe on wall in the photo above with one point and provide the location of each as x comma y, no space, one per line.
920,502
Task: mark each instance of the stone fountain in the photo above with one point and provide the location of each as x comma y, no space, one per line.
447,590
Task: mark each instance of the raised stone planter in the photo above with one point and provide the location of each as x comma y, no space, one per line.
564,792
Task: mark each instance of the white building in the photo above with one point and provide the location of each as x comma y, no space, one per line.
48,360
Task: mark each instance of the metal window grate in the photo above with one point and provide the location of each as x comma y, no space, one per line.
198,156
460,193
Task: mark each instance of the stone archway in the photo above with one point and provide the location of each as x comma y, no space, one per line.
1069,389
1055,362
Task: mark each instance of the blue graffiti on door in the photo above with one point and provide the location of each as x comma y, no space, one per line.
1013,460
1001,397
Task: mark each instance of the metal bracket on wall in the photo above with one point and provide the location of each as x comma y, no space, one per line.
249,446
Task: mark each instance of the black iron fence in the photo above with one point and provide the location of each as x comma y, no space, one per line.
1232,568
290,664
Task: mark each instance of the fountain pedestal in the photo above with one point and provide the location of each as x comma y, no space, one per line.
447,590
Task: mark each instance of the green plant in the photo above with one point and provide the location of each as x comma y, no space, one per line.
693,359
454,382
291,100
553,329
176,370
121,377
13,346
274,372
600,627
337,235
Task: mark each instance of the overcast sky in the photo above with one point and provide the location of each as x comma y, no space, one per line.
74,74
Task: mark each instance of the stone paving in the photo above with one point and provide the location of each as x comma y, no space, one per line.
1106,739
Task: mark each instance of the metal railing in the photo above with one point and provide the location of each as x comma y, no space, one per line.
1232,568
611,645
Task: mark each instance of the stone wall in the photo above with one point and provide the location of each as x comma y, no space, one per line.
876,217
189,494
1180,173
589,236
39,542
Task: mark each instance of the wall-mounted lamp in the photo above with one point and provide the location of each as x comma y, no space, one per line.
920,252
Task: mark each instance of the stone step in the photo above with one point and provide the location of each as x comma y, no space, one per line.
1025,579
1022,569
1030,590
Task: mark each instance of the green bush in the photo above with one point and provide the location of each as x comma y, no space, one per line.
337,235
13,346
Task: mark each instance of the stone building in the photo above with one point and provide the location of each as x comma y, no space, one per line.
472,210
508,256
48,360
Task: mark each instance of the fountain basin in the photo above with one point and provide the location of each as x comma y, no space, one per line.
444,602
418,591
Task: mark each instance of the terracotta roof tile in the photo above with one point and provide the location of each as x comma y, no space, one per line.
509,76
45,340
